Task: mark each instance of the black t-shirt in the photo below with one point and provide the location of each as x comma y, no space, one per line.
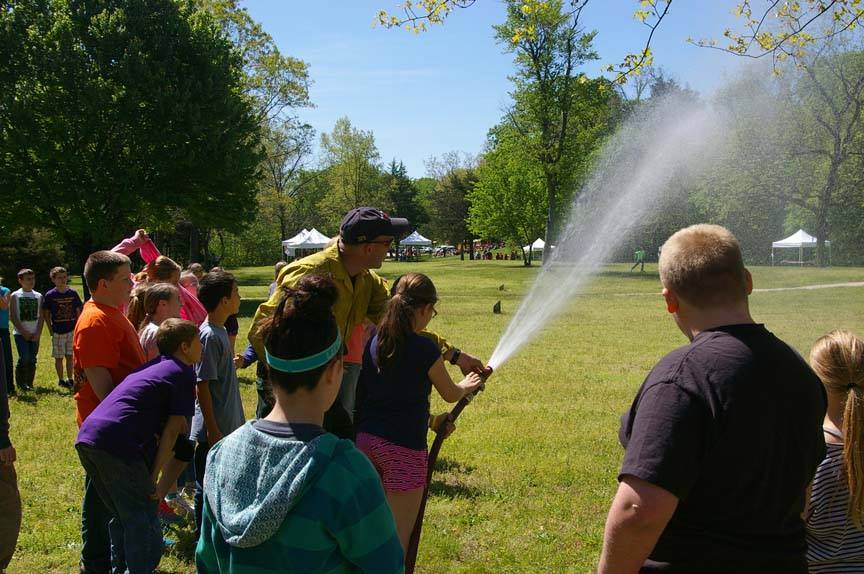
394,403
732,425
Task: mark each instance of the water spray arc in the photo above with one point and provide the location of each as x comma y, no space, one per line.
670,140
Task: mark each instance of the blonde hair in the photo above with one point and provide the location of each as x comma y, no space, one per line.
162,269
702,264
838,359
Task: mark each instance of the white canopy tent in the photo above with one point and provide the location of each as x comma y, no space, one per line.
416,240
308,239
538,245
799,240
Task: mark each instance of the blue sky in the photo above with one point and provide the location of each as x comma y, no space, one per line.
423,95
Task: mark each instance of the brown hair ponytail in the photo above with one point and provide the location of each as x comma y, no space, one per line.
838,359
409,292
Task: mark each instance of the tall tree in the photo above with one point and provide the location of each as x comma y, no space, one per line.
549,48
352,165
403,194
830,98
113,114
508,200
455,175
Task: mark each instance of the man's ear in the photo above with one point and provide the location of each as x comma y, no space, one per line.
749,279
672,303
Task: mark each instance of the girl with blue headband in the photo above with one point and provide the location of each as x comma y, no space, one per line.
283,495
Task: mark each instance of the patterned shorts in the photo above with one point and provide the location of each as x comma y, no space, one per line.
401,469
61,345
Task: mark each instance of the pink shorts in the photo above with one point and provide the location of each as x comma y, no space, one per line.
401,469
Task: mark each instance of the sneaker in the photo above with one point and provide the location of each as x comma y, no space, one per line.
179,505
168,541
65,384
166,515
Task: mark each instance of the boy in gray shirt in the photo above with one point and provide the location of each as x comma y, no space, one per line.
218,410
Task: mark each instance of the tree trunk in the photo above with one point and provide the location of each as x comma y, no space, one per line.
551,194
824,205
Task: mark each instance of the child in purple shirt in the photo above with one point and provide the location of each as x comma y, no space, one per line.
126,444
61,307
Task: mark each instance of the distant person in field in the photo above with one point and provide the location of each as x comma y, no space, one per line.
25,310
61,308
282,494
639,258
105,350
365,236
722,438
400,369
10,498
133,446
835,513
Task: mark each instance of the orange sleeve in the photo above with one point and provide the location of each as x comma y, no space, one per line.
97,346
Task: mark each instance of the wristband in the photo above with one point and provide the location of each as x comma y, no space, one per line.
456,354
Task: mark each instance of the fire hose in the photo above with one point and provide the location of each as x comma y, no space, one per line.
414,542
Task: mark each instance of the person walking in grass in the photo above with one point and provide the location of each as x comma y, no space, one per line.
25,311
282,494
835,513
722,438
639,258
400,368
61,309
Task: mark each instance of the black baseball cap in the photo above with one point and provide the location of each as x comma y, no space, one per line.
363,224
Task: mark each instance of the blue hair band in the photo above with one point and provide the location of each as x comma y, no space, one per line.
305,363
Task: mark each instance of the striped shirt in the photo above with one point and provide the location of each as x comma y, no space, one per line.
833,542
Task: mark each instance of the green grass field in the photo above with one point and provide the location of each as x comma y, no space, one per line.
524,483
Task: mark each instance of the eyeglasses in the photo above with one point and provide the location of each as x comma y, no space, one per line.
434,312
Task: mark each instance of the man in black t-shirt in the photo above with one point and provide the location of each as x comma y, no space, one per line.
722,438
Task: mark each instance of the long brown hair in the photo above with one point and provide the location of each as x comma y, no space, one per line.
838,359
409,293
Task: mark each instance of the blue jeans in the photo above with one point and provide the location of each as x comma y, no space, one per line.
126,489
27,350
95,538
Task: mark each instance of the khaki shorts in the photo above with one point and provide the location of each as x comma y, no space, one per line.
61,345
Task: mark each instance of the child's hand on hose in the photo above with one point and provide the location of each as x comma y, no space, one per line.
442,424
471,383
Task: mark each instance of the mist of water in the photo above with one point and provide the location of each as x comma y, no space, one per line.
671,139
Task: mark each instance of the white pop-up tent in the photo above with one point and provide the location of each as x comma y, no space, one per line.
415,240
306,240
538,245
799,240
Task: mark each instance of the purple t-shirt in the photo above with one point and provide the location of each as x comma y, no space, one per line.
64,309
128,423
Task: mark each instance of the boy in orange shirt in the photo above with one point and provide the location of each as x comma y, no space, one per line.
105,349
